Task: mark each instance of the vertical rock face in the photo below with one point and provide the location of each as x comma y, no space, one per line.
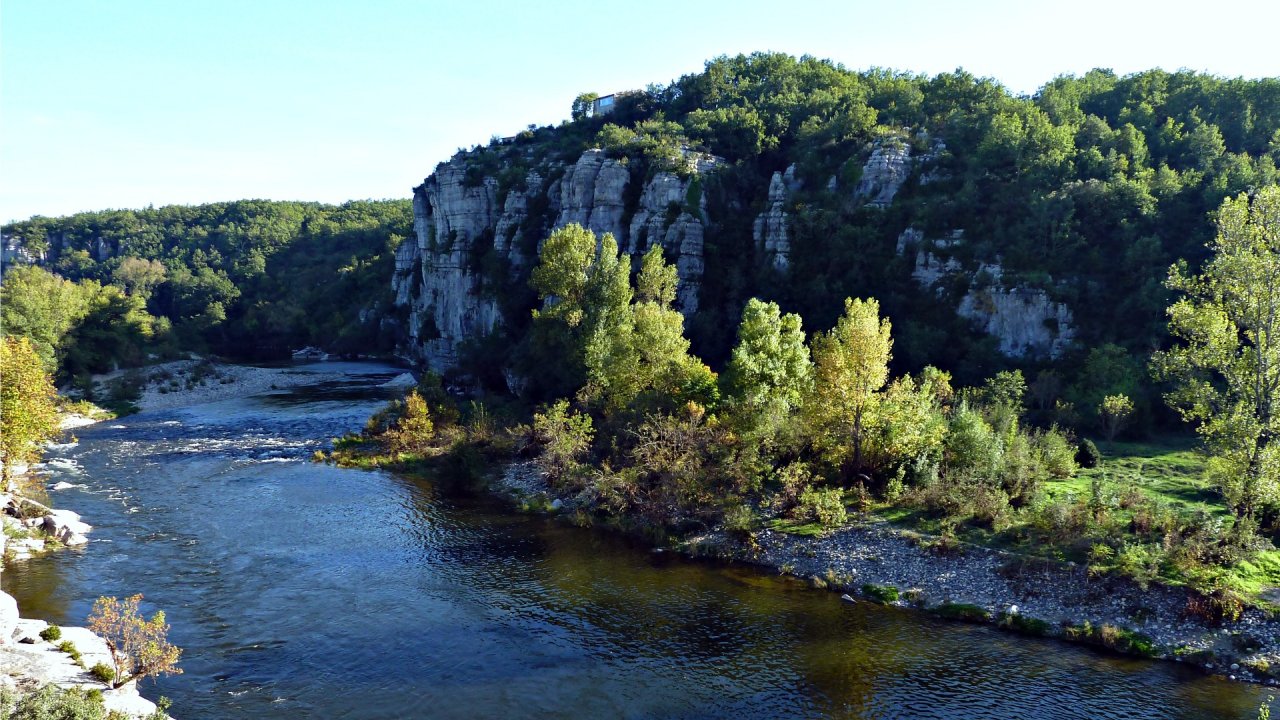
12,253
450,219
509,232
671,213
456,221
591,194
930,268
1026,321
770,228
884,172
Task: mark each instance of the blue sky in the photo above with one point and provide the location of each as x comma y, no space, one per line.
125,103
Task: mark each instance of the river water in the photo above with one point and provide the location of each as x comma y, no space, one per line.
300,590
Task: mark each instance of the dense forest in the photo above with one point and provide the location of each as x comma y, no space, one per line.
248,279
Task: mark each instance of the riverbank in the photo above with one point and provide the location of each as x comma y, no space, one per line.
870,560
29,661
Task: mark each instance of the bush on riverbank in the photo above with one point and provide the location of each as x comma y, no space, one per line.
963,612
75,703
1121,640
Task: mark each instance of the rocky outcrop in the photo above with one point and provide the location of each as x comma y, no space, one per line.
67,527
671,213
451,216
8,618
31,662
770,228
1025,321
457,218
508,236
12,254
884,172
930,268
591,194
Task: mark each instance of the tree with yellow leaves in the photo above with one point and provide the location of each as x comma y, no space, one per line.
851,367
28,412
139,647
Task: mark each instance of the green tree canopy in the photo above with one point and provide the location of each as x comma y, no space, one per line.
1227,365
40,306
770,365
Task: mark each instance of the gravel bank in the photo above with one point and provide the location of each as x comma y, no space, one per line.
183,383
1001,584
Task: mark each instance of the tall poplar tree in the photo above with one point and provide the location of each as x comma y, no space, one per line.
851,367
1228,365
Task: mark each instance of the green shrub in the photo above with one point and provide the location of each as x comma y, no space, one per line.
413,430
1140,562
565,436
52,703
824,506
739,518
69,648
1025,625
882,594
1059,457
53,633
1224,603
962,611
103,672
1087,455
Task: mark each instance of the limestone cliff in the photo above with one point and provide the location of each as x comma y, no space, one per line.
884,172
479,223
1026,321
770,229
457,219
451,218
591,194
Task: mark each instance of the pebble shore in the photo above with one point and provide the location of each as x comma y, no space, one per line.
1061,595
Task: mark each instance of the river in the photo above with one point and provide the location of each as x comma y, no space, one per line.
300,590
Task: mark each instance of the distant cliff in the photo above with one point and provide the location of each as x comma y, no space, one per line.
466,224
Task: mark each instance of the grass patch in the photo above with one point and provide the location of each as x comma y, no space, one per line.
802,528
1121,640
962,612
882,594
1168,469
1259,573
1026,625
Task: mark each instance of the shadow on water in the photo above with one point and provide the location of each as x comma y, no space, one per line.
302,590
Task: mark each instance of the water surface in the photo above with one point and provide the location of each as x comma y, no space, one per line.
305,591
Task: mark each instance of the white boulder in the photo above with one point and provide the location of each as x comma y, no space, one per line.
8,617
63,523
403,381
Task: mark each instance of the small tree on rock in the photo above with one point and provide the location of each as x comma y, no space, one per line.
139,647
583,105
